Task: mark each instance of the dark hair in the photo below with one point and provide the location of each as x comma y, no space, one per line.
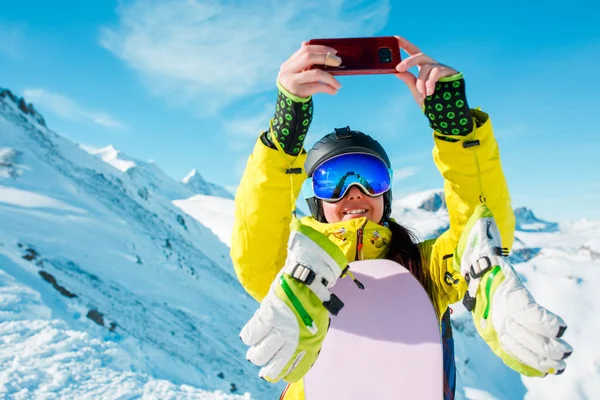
404,250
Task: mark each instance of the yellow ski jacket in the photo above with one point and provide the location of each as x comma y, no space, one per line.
265,199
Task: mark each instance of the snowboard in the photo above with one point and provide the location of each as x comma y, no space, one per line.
385,343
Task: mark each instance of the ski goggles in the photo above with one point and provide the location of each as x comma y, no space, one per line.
331,180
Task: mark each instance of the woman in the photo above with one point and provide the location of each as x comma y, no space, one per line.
289,265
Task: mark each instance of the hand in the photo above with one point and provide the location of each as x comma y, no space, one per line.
286,332
522,333
296,76
430,71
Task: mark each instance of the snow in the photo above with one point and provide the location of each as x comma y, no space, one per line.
110,155
116,282
214,212
24,198
9,168
43,358
6,155
186,179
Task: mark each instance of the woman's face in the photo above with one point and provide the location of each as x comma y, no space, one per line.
354,204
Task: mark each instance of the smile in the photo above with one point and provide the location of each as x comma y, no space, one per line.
352,212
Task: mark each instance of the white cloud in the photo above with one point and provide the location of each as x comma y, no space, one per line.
213,53
250,126
12,39
405,173
68,109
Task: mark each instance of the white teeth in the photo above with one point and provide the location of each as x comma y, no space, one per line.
355,211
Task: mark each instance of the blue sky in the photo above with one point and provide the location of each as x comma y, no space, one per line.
190,84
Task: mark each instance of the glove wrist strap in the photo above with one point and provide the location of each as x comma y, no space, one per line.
318,285
473,278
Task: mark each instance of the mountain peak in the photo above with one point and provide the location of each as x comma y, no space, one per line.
429,200
110,155
197,184
528,222
192,175
23,106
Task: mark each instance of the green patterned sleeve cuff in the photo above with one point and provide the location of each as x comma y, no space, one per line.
291,122
447,109
292,96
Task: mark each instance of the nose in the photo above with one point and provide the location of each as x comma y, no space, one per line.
354,193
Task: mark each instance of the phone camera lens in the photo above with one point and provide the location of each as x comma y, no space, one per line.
385,55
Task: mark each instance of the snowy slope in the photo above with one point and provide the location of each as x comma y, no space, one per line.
42,357
115,264
214,212
561,268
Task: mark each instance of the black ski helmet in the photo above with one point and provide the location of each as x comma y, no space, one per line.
344,141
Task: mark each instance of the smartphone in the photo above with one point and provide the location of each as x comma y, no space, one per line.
363,56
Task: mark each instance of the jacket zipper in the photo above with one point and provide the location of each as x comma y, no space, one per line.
359,255
359,244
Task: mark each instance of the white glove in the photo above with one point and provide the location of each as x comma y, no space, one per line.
286,332
518,330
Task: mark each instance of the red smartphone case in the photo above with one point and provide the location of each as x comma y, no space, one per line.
363,56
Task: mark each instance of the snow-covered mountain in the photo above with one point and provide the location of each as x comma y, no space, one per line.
528,222
428,200
199,185
115,281
105,283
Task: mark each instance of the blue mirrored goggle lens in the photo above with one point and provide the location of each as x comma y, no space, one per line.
331,180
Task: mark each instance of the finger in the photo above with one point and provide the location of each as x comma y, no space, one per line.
416,60
423,76
306,60
527,357
407,46
541,321
255,329
279,362
318,75
309,89
313,48
434,76
262,352
411,82
555,349
304,48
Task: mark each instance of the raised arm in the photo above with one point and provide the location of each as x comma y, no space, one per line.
274,172
473,175
466,154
